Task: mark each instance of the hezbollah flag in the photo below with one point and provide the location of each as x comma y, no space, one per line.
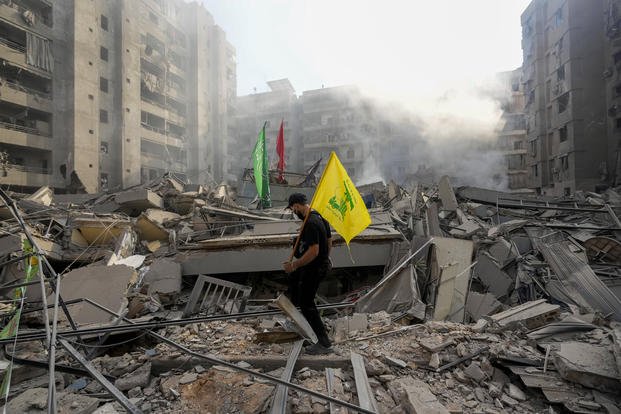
261,171
338,201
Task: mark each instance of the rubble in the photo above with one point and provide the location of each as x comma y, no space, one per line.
458,300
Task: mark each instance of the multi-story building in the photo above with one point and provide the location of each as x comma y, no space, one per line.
339,119
111,93
512,130
269,108
563,45
612,75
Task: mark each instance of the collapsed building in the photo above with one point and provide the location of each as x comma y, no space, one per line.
167,297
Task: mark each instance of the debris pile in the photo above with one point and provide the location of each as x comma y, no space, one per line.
168,298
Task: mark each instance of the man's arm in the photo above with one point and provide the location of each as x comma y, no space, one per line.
307,257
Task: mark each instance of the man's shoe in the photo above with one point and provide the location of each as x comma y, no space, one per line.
318,349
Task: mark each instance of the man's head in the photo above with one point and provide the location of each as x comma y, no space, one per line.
298,204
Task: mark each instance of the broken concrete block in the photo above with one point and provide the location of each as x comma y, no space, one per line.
589,365
531,315
138,378
516,393
416,397
434,361
34,401
474,372
492,276
163,278
108,408
135,202
375,367
188,378
150,224
106,285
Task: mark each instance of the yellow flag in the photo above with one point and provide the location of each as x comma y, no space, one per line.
338,201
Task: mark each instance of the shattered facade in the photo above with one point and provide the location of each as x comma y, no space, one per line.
108,94
512,130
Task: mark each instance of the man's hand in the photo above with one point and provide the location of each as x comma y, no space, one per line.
288,267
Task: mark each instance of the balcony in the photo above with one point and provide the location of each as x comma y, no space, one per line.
14,12
176,93
24,136
159,136
154,161
26,176
24,96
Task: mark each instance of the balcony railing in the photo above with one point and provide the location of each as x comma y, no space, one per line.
25,130
27,169
13,45
28,90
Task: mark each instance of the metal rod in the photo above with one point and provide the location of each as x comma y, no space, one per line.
59,367
118,395
26,337
462,359
217,361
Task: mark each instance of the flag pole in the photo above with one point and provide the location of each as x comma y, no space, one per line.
297,240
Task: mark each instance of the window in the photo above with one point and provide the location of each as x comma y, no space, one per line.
567,191
103,53
103,116
534,170
562,133
104,22
44,165
103,84
533,147
563,102
560,73
617,90
517,145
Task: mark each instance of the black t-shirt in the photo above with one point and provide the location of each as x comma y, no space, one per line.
316,231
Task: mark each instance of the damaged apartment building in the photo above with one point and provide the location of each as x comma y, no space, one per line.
103,95
570,134
319,121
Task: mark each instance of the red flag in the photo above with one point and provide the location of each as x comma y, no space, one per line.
280,149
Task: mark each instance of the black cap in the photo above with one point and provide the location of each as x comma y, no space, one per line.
298,198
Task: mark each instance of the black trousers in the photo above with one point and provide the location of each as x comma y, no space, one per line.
303,285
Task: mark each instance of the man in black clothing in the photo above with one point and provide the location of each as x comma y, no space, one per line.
310,267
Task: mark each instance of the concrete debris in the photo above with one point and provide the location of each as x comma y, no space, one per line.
459,300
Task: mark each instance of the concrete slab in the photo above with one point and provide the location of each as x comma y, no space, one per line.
416,397
287,307
106,285
447,195
137,201
531,315
495,279
163,276
590,365
478,305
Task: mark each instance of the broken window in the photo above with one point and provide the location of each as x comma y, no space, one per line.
562,133
103,84
103,53
103,116
560,73
104,22
563,102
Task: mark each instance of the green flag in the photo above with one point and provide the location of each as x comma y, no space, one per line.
261,171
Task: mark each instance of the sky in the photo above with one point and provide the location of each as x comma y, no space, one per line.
402,49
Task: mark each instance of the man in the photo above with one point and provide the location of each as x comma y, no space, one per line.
309,268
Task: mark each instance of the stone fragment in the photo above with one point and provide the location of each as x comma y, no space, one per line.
505,399
375,367
474,372
138,378
108,408
516,393
416,397
461,349
434,361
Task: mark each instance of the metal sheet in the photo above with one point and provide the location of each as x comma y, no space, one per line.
279,405
363,388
